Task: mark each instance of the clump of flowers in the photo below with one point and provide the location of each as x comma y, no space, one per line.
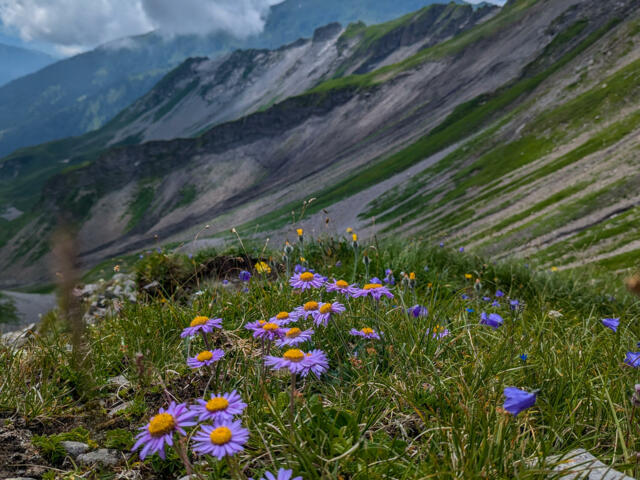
438,332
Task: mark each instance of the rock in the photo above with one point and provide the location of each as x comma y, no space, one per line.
75,448
103,456
580,464
120,381
151,286
123,406
20,478
129,475
18,338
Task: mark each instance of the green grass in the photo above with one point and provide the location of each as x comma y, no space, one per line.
407,406
8,312
140,204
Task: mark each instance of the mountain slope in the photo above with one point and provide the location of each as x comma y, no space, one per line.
203,92
82,93
475,124
16,62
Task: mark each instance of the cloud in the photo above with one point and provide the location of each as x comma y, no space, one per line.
76,25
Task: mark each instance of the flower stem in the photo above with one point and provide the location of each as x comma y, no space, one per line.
206,341
291,402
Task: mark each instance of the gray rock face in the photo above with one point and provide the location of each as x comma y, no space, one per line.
75,448
103,457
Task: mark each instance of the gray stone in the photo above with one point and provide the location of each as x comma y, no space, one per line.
103,456
20,478
75,448
129,475
580,464
19,338
120,381
118,408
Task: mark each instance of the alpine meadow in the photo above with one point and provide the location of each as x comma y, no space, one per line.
305,239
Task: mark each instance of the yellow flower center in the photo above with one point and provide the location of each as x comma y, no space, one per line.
294,355
367,331
220,436
293,332
299,232
216,404
204,356
270,326
342,284
326,308
261,322
412,276
199,321
310,306
371,286
282,315
161,424
306,276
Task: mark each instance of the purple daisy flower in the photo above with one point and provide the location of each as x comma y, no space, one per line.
633,359
205,358
299,362
418,311
244,276
325,310
294,336
611,323
221,439
283,318
342,287
220,407
366,332
201,324
518,400
438,332
160,429
306,310
282,475
270,330
306,280
493,320
376,290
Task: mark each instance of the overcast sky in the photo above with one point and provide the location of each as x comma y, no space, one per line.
73,26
